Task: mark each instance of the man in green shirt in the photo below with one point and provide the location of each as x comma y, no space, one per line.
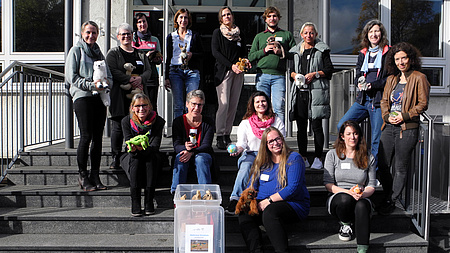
271,67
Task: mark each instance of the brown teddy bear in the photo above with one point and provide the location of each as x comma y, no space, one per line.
129,68
242,64
247,202
272,41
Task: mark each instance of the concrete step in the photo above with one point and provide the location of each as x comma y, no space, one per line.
117,220
304,242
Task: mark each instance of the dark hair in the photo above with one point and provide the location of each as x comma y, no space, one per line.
135,19
220,13
365,43
92,23
180,11
361,155
251,107
271,9
415,63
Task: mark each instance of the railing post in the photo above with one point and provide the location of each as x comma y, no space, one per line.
50,109
68,40
21,112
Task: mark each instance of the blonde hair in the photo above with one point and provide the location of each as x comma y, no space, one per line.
263,160
311,24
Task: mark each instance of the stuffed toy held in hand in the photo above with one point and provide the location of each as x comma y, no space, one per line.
139,140
154,57
272,41
183,56
100,73
134,90
247,202
242,64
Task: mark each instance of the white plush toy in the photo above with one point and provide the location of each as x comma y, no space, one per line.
100,73
300,81
129,68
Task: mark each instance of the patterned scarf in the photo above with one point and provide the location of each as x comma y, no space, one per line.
231,34
144,127
259,126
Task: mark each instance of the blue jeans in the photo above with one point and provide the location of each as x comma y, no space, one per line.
182,82
245,163
360,112
203,163
275,88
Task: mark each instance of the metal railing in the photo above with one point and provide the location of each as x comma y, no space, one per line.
32,110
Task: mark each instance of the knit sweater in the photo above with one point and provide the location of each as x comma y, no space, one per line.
269,63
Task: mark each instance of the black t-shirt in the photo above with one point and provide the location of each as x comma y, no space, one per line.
134,59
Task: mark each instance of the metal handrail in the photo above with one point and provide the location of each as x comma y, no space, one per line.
32,110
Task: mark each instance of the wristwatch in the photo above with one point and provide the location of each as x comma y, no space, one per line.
317,74
270,200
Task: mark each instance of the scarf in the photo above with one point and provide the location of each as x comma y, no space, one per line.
377,63
259,126
93,52
144,127
231,34
146,36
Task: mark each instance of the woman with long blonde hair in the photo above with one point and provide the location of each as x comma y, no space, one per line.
278,175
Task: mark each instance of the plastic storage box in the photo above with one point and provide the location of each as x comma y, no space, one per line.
199,225
191,189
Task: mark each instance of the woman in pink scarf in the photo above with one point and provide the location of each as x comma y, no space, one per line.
258,117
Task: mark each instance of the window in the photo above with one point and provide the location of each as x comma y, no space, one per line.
418,22
347,19
434,76
147,2
38,25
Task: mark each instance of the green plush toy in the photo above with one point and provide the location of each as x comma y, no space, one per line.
139,140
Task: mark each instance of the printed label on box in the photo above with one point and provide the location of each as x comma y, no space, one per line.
199,238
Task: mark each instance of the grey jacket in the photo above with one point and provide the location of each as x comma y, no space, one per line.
79,70
319,88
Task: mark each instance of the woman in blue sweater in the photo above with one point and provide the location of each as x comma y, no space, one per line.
278,174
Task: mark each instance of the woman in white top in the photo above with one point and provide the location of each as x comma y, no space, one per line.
258,117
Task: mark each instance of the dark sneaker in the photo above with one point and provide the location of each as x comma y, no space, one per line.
231,208
345,232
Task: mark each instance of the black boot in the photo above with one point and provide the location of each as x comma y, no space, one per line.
115,165
95,179
149,208
84,182
221,143
227,140
136,202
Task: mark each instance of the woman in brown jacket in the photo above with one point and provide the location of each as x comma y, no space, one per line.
405,96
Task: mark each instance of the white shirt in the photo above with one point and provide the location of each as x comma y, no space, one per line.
248,140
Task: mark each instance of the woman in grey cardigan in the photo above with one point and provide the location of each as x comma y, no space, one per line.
89,108
120,97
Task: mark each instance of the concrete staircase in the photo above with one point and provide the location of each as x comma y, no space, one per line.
45,211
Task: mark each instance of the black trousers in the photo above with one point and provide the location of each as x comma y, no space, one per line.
302,136
91,116
273,218
116,135
344,207
141,168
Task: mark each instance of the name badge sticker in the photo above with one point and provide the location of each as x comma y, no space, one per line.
238,43
345,166
265,177
280,39
139,63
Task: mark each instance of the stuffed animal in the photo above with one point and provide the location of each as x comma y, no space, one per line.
139,140
154,57
242,64
247,202
129,69
183,197
197,196
100,73
183,56
300,81
357,189
208,195
272,41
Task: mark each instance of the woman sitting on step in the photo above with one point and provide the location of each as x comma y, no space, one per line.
258,117
278,175
141,165
350,176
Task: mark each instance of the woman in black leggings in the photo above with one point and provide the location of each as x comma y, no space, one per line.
350,176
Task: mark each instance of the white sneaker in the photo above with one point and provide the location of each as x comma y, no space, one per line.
317,164
307,165
345,233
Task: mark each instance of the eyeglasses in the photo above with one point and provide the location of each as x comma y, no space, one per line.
272,142
125,34
142,106
196,104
